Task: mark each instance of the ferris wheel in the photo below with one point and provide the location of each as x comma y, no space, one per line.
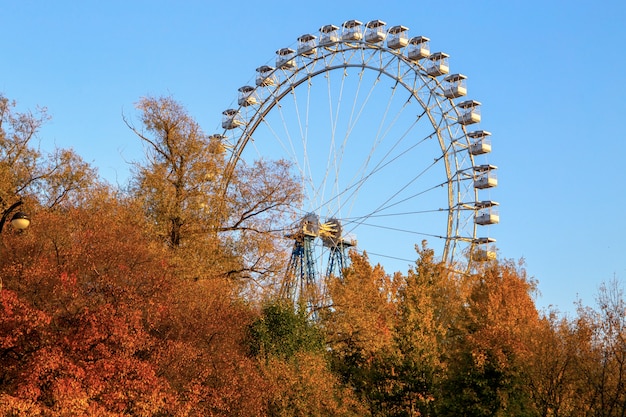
384,143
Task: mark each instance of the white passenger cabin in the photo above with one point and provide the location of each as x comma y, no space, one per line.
285,58
480,142
398,37
352,30
328,35
485,176
483,250
265,76
454,86
375,31
306,45
418,48
231,119
470,112
486,213
438,64
247,96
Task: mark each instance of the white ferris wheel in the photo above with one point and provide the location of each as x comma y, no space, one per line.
384,141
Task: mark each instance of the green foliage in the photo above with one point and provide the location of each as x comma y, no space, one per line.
429,303
291,354
282,332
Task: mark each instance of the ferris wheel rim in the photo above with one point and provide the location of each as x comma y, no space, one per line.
453,171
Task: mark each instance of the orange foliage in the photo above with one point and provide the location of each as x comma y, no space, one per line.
363,312
95,322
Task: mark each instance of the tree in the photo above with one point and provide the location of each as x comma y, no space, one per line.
26,173
430,305
177,182
304,386
489,352
601,365
361,318
291,355
100,285
551,375
262,198
202,351
18,160
227,230
281,332
359,327
112,326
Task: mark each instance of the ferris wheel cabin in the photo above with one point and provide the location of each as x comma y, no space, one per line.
306,45
418,48
285,58
480,142
246,96
470,112
265,76
486,213
398,37
485,176
216,144
438,64
328,35
231,119
352,31
454,86
375,31
483,249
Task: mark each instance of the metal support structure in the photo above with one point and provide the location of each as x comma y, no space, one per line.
304,284
337,260
300,282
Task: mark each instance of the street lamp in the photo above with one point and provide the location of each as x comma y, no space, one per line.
20,220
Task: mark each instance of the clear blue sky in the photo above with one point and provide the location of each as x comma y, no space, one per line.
549,75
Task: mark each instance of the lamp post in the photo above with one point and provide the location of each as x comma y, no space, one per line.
20,220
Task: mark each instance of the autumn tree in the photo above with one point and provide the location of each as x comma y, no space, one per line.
27,173
291,354
93,285
262,197
359,327
486,369
203,351
601,365
430,305
224,229
97,320
177,181
552,378
19,168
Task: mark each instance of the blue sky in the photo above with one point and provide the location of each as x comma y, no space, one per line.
549,76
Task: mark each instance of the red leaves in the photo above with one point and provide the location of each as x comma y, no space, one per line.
20,324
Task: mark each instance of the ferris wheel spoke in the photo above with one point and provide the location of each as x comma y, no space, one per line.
385,161
379,212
